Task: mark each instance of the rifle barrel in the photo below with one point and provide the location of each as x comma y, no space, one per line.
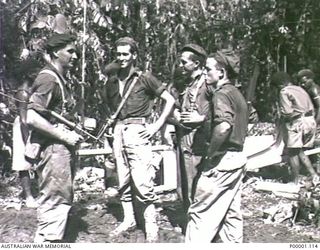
72,125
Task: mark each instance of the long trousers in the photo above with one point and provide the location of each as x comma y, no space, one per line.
188,168
133,156
55,191
216,207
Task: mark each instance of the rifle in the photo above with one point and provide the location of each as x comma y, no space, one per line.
73,125
110,122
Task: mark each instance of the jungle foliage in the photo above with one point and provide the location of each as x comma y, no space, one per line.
269,35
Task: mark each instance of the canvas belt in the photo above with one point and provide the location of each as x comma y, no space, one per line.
134,120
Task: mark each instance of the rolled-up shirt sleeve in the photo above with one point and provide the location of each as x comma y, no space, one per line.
41,97
154,85
223,111
286,108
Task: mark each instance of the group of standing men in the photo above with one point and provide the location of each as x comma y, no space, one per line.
299,113
211,122
214,116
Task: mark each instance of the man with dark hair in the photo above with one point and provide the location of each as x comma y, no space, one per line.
297,113
192,115
217,199
306,74
306,80
51,144
132,134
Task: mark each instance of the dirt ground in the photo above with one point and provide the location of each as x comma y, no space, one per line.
94,215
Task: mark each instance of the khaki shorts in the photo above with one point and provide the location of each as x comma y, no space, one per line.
300,133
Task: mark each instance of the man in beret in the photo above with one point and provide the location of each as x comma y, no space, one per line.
51,144
132,134
297,114
192,115
216,205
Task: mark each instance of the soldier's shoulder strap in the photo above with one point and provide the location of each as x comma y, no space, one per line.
60,83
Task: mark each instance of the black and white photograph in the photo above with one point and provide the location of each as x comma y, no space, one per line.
159,121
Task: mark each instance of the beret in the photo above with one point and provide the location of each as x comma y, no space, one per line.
59,41
306,72
230,59
198,50
127,41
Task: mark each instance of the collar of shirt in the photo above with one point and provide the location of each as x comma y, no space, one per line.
135,71
198,74
51,67
222,82
122,83
198,79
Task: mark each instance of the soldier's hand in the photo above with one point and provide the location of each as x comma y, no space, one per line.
72,138
192,117
149,131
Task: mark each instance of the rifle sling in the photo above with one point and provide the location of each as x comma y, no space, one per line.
125,97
